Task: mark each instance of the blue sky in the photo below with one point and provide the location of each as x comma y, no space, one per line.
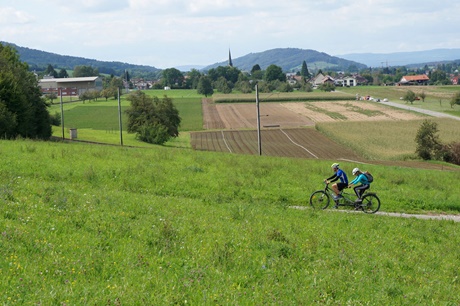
171,33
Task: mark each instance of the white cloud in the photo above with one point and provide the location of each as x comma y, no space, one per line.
164,32
10,15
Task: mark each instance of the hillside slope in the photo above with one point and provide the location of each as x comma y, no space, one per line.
39,60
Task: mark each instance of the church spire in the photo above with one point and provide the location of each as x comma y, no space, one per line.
230,58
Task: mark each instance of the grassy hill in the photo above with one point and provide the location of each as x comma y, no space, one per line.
39,60
91,224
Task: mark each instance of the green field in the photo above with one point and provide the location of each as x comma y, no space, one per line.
89,225
98,120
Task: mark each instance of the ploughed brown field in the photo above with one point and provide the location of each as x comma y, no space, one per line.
287,129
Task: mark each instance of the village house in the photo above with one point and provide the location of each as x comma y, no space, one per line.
321,79
350,81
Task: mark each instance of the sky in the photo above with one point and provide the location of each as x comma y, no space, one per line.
173,33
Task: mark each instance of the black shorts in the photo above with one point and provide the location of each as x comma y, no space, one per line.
342,186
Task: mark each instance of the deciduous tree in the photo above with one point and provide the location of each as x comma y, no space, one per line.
153,120
455,99
205,86
410,96
23,112
273,73
427,139
85,71
172,77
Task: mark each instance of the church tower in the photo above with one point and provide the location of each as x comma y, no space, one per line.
230,58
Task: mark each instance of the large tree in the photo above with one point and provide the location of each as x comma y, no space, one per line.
85,71
274,72
205,86
50,71
153,120
193,77
63,73
304,71
23,112
172,77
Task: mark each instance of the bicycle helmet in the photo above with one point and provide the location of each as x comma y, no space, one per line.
335,166
355,170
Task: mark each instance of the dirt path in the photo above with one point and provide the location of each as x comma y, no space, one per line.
443,217
419,110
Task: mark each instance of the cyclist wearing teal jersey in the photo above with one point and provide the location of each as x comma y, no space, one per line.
360,179
339,174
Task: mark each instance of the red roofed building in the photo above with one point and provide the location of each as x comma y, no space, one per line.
421,79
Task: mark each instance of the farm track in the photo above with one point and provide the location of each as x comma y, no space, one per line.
232,129
454,218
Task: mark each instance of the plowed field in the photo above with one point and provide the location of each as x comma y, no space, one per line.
300,142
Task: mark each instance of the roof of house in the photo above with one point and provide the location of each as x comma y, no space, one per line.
69,80
413,78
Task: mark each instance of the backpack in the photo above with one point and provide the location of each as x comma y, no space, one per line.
369,176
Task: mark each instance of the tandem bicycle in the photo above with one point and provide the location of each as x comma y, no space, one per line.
321,199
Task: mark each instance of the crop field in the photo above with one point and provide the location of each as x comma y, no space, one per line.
244,116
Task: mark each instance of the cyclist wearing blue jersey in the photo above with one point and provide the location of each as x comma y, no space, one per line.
339,174
362,179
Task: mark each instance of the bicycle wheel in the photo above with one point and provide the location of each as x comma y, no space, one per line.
319,200
371,203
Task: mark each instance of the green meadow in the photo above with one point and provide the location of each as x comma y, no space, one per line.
86,224
89,224
98,120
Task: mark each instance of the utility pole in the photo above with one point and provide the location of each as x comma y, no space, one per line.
119,118
62,114
259,139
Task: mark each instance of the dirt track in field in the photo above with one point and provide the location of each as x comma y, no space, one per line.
287,129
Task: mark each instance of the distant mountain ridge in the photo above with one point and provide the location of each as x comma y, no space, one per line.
404,58
290,59
39,60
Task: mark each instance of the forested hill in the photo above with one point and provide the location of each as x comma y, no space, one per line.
291,59
39,60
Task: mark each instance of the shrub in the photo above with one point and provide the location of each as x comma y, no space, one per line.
56,119
451,153
156,134
427,139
